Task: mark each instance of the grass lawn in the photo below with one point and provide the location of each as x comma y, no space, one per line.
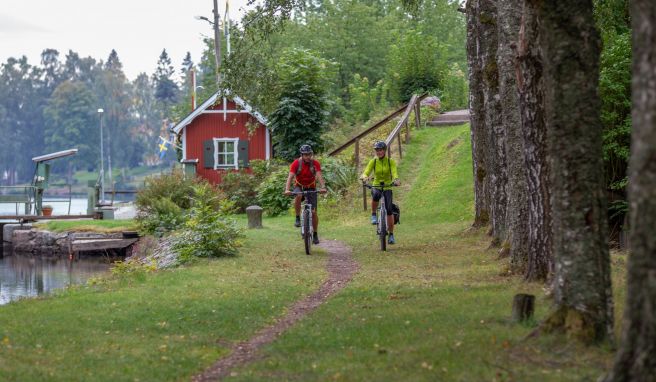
103,226
435,307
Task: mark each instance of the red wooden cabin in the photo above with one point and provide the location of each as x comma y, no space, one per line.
216,135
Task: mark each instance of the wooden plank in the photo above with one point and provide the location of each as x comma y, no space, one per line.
38,217
98,244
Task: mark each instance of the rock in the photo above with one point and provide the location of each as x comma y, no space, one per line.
8,230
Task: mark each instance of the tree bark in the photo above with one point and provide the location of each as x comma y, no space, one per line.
531,98
496,179
509,16
636,357
477,116
582,288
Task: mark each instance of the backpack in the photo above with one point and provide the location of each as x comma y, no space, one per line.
300,167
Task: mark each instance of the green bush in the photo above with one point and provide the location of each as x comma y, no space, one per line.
338,175
173,186
163,215
454,94
270,192
207,232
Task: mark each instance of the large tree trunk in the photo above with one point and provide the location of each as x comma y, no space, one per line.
571,47
477,115
534,131
636,358
496,179
509,16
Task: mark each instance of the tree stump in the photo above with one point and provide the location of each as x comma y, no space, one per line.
523,307
254,214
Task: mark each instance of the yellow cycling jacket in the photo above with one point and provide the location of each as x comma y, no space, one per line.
384,171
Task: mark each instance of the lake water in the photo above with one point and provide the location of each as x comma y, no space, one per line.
29,276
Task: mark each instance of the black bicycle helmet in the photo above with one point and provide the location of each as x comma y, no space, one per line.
380,145
306,149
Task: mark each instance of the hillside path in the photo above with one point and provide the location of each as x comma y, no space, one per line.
341,268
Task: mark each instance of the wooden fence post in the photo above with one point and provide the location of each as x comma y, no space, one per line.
357,156
418,115
398,136
364,197
407,131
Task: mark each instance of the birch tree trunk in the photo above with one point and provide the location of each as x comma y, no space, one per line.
636,357
531,98
477,115
496,179
582,290
509,16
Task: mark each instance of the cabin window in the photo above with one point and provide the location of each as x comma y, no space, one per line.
225,153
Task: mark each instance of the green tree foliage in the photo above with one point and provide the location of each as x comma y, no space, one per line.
166,90
300,117
365,99
614,23
71,121
416,65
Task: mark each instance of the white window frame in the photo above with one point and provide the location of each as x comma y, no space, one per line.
235,153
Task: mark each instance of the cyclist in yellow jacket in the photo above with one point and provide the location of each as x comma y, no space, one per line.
384,171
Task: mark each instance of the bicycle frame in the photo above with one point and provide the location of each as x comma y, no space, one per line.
307,227
381,227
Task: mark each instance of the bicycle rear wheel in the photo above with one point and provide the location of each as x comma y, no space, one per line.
382,232
307,234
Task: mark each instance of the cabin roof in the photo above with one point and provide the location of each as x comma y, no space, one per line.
211,101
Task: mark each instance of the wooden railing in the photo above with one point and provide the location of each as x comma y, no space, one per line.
405,110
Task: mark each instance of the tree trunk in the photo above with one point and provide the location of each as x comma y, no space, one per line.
509,16
477,115
496,152
636,357
531,97
582,289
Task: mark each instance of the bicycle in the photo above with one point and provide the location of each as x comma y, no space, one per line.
381,227
307,229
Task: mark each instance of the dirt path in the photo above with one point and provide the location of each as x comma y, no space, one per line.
341,268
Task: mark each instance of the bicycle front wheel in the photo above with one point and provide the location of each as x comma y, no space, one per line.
382,232
307,234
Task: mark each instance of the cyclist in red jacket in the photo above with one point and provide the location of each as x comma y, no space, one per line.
306,172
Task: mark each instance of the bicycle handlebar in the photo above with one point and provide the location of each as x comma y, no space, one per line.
370,186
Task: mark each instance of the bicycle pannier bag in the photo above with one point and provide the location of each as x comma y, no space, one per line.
397,213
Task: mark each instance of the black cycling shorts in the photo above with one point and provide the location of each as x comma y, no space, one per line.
377,194
311,197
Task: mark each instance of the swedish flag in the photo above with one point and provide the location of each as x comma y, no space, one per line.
163,147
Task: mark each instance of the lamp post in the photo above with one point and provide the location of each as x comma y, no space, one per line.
102,161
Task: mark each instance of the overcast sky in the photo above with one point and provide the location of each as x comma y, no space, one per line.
137,29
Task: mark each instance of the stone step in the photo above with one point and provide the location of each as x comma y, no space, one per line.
441,123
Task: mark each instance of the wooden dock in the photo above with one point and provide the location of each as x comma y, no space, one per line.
98,244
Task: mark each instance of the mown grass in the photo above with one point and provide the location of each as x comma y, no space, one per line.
103,226
436,306
161,326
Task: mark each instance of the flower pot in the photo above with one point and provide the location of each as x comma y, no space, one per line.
47,211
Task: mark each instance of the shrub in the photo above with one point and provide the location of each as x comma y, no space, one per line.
173,186
338,175
163,215
207,232
270,192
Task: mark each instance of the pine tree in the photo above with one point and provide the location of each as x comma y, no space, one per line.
166,90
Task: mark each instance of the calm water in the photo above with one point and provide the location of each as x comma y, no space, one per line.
29,276
59,206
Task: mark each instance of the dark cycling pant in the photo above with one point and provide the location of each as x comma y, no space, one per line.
311,197
377,194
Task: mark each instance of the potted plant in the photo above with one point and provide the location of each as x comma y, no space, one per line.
46,210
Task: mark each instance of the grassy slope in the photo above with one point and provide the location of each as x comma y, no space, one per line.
435,307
